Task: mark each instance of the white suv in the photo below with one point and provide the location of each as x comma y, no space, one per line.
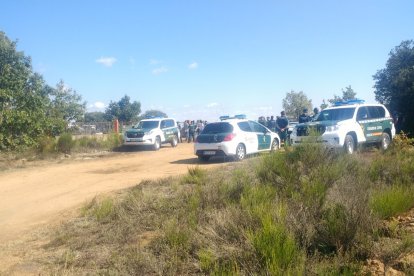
234,137
347,125
153,132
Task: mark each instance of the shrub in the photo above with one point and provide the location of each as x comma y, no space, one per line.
46,145
195,175
89,142
113,140
99,209
65,143
393,200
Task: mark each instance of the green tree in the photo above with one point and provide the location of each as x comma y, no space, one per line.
347,94
153,113
394,85
323,105
95,117
23,99
124,110
295,102
65,106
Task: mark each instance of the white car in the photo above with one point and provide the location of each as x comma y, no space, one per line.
347,125
236,138
153,132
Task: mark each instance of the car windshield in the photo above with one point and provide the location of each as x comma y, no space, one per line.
338,114
214,128
147,124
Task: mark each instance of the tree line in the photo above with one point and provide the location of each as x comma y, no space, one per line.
31,109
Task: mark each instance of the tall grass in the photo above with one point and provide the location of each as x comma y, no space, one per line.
303,211
392,200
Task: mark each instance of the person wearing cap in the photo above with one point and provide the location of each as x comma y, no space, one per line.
304,117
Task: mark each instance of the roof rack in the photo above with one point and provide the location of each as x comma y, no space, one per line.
349,102
238,116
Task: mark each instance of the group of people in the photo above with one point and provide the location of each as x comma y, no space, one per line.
281,124
189,129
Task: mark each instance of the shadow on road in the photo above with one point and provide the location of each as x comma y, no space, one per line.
195,161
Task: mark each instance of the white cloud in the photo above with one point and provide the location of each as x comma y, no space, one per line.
160,70
154,62
193,66
106,61
210,105
97,106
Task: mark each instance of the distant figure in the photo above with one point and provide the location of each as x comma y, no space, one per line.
315,114
304,117
272,123
282,123
262,120
191,132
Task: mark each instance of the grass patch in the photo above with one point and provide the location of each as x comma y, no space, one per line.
392,200
305,211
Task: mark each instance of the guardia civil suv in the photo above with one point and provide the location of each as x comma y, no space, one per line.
347,125
153,132
235,137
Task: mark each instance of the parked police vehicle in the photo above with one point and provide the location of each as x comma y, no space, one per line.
236,137
347,125
153,132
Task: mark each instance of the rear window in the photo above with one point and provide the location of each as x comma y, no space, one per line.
214,128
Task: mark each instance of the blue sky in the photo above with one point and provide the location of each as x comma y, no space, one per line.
202,59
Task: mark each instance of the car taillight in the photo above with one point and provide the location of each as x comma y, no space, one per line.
229,137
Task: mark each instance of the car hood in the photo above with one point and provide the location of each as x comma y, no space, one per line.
317,123
138,130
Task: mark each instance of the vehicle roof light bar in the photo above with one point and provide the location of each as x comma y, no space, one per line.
349,102
238,116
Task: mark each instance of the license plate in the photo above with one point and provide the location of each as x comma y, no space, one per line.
209,152
135,140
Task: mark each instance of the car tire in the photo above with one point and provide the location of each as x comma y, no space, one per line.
349,144
240,152
385,141
275,145
157,143
204,158
174,141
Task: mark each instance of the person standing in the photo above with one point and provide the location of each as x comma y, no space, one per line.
191,132
282,124
315,113
304,117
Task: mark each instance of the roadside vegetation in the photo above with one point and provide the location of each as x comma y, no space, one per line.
62,146
304,211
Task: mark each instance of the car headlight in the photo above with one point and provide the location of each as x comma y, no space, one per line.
332,128
148,132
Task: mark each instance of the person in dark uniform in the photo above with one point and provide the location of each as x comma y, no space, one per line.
282,123
315,113
304,117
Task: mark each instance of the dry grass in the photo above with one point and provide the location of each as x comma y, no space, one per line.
304,211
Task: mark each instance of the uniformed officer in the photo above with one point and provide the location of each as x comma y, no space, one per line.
304,117
282,123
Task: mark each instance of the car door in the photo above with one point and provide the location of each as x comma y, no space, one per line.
366,123
249,137
264,139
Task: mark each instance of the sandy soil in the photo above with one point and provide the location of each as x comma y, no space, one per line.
40,195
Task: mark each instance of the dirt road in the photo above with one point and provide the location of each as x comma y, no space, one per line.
38,195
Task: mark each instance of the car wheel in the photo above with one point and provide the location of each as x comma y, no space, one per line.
275,145
349,145
174,141
157,143
385,141
240,152
204,158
